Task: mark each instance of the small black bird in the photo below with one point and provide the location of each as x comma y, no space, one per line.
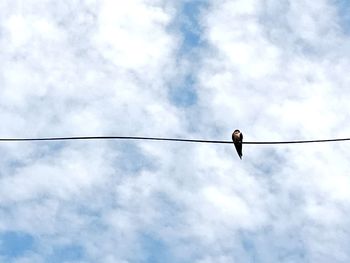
237,138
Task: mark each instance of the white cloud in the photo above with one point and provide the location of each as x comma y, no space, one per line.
282,89
276,70
60,79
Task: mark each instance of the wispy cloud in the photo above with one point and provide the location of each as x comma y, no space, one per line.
274,69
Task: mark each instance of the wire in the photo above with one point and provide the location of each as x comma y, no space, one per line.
107,138
159,139
300,141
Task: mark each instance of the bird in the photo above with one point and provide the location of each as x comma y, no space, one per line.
237,138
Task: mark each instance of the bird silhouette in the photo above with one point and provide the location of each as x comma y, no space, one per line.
237,138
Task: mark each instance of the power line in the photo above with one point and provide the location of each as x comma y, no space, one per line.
160,139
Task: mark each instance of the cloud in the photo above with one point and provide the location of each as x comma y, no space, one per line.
81,69
275,79
277,70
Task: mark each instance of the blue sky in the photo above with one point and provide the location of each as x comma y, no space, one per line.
276,70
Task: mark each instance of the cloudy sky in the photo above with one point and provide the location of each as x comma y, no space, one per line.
275,69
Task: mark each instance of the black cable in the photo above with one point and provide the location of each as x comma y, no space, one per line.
158,139
300,141
106,138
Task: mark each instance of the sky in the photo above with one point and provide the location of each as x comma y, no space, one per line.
275,69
